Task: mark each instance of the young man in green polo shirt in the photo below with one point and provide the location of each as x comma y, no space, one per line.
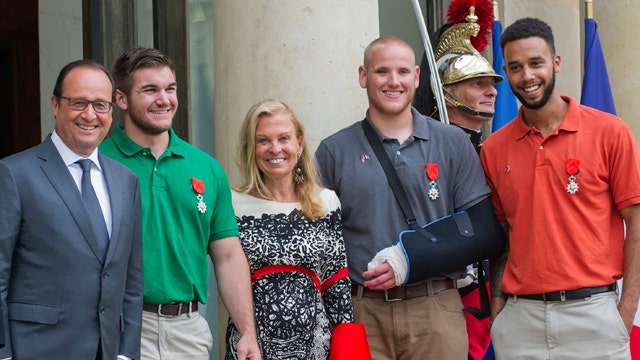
187,214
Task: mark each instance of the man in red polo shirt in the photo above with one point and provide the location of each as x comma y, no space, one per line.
565,181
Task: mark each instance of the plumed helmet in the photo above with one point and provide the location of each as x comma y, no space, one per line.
457,67
457,59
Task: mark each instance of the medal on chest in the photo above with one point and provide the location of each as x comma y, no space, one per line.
198,187
573,168
432,175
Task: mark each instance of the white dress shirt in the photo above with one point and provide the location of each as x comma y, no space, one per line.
97,179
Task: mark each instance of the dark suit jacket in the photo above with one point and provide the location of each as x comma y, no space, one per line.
60,300
1,327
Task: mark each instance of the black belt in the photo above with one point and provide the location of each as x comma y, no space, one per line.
565,295
172,309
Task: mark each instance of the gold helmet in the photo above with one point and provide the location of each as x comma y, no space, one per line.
456,57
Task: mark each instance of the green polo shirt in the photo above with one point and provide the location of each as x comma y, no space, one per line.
176,227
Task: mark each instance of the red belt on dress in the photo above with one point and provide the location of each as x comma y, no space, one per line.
322,286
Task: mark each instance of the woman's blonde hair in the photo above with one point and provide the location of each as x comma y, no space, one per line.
306,190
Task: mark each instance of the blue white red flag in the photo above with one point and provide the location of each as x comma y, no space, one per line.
596,91
506,105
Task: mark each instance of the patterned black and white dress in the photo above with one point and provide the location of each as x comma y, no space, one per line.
294,313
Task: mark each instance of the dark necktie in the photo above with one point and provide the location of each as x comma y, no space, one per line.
93,207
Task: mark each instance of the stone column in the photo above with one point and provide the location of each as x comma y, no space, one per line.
618,29
305,53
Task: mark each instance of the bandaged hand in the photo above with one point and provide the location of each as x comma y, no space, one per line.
394,256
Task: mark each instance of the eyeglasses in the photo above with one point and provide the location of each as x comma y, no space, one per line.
99,106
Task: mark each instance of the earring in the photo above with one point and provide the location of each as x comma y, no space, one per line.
298,172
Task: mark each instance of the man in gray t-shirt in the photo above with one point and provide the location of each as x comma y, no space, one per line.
428,321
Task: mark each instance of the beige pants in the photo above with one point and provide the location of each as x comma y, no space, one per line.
576,329
426,327
186,336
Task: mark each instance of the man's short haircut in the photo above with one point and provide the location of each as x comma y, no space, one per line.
526,28
134,59
87,64
381,41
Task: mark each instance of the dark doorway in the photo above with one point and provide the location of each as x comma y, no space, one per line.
19,76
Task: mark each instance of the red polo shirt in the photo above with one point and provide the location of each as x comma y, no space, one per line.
559,240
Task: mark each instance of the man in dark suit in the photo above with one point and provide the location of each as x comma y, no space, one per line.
70,281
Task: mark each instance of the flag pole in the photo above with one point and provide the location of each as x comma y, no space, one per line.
435,78
588,9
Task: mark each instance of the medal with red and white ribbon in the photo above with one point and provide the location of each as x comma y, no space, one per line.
432,175
573,168
198,187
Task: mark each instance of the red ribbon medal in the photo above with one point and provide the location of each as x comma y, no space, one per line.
432,174
198,187
573,168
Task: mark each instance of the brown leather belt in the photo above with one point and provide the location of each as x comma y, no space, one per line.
172,309
565,295
428,288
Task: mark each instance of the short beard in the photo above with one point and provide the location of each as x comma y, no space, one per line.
545,97
147,127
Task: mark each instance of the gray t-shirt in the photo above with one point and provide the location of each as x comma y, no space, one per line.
372,218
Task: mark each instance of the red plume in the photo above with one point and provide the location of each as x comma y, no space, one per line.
458,11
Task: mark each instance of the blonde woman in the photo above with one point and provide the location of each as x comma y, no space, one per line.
291,232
